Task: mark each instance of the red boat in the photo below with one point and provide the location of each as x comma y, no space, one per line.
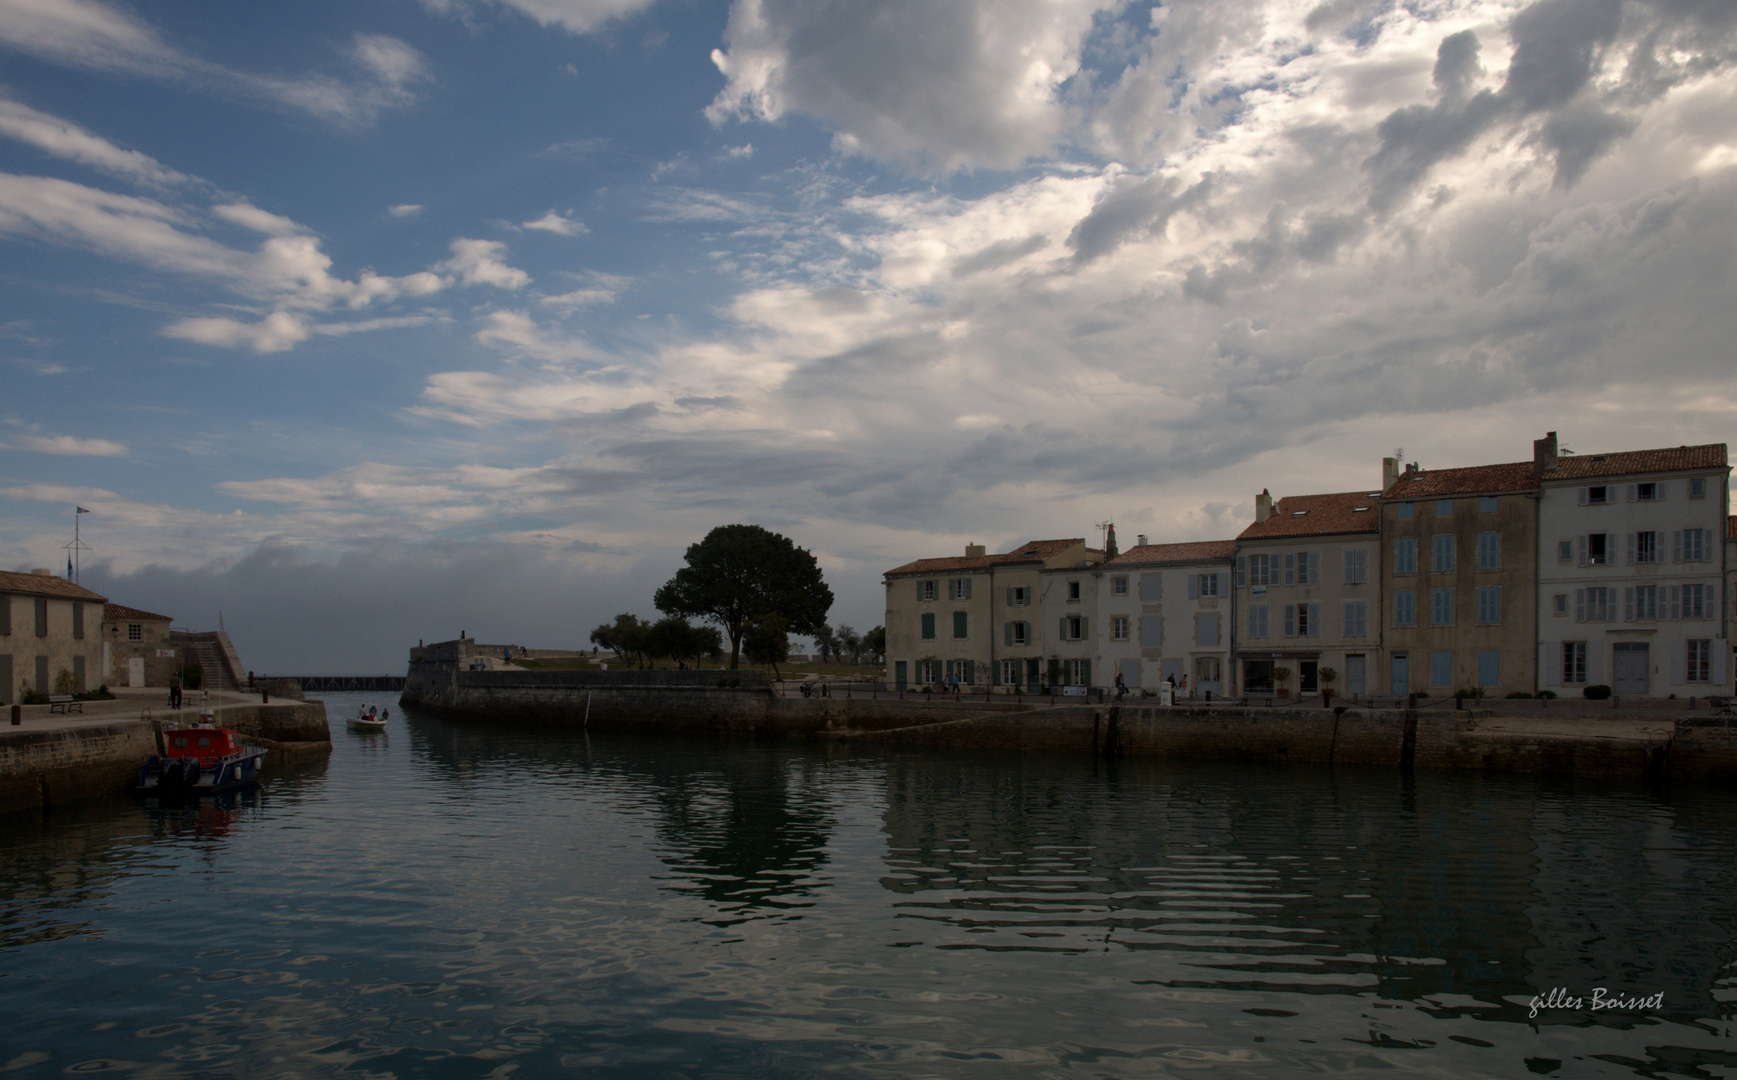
197,760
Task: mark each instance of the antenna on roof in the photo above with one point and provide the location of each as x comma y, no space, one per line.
75,550
1102,526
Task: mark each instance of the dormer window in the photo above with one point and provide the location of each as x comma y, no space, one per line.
1359,509
1298,513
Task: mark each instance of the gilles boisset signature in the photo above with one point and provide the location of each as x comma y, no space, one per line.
1601,1000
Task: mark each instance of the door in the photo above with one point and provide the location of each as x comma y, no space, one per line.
1308,676
1399,681
1033,675
135,671
1354,678
1633,665
1209,676
901,675
1131,674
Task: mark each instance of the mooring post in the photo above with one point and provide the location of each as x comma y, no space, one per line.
17,715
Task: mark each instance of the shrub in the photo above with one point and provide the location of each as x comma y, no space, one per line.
32,697
1546,693
1598,692
1518,694
101,693
63,682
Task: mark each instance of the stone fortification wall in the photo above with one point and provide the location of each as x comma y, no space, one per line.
289,727
43,768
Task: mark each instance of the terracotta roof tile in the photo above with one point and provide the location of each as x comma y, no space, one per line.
122,613
1318,515
1196,551
44,585
1669,459
1434,483
1029,552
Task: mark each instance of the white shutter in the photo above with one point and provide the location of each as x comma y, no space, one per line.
1721,650
1290,620
1676,545
1631,488
1579,605
1659,491
1290,568
1679,662
964,588
1314,568
1594,663
1223,584
1314,620
1582,548
1629,542
1552,663
1674,604
1582,496
1193,587
1628,603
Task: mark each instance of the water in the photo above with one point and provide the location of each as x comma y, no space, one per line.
445,901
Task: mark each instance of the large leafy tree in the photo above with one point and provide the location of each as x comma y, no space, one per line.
739,575
626,636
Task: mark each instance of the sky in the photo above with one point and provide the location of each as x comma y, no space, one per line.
360,323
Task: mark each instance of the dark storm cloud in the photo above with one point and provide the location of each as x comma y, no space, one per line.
1134,209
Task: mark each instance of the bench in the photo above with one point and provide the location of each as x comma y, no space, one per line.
1721,706
63,703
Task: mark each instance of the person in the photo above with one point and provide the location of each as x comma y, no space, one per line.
1121,686
175,691
385,715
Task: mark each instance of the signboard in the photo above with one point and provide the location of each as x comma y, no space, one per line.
166,652
1073,691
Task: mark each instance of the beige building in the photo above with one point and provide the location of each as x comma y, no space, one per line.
982,618
50,635
1307,593
1167,613
136,647
1460,580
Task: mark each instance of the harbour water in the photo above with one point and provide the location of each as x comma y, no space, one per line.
451,901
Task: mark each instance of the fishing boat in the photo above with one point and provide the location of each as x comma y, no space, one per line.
197,760
367,721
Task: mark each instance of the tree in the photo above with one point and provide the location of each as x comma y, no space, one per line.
678,639
626,636
826,643
740,574
875,641
766,640
849,643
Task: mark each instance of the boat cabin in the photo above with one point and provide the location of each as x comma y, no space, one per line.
199,742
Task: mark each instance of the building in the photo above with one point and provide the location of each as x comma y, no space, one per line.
1631,590
1459,579
1168,610
1307,596
136,647
49,635
982,617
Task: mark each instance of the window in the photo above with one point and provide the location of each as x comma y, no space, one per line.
1645,604
1302,620
1489,667
1693,604
1646,547
926,671
1574,662
1441,555
928,626
961,624
1489,604
961,670
1565,551
1444,508
1018,596
1561,602
1356,618
1308,568
1405,555
1118,586
1079,672
1697,489
925,590
1404,510
1597,496
1646,493
41,622
1598,549
1258,625
1073,627
135,631
1694,545
1118,628
1595,605
1259,571
1698,661
77,622
1441,607
1010,673
1208,584
1206,628
1487,504
1441,668
1016,633
1073,592
1405,609
1356,566
959,588
1489,551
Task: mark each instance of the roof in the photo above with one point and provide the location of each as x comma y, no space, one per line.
122,613
1032,551
1318,515
1671,459
1196,551
1435,483
44,585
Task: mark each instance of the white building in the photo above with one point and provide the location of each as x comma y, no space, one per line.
1168,612
1631,576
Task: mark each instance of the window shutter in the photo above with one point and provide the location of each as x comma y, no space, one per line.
1579,605
1064,628
1314,620
1291,568
1085,673
1193,587
1085,628
1007,633
1674,606
5,627
1151,631
1553,663
1631,488
1241,571
77,622
1314,568
1290,620
1581,546
1676,545
1594,663
1659,491
1629,543
1582,496
1223,584
1628,603
1721,650
970,671
919,590
1679,662
965,588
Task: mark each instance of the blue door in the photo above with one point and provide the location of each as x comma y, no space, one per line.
1400,681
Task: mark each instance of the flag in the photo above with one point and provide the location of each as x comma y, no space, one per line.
69,568
81,510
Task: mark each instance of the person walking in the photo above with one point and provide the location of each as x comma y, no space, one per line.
175,691
1121,686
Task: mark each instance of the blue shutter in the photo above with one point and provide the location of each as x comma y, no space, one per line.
1290,620
1193,587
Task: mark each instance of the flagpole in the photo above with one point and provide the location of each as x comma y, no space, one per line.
75,550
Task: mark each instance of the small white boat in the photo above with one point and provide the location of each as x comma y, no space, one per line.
368,722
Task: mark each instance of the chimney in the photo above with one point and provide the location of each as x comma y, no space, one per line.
42,571
1389,473
1263,506
975,551
1110,541
1544,455
1140,539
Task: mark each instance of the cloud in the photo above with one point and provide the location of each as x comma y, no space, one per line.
65,140
70,445
560,225
478,262
252,217
746,150
404,210
574,16
275,333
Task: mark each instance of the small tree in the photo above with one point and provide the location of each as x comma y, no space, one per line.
826,643
875,641
1326,675
767,641
626,637
63,682
849,643
1280,674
